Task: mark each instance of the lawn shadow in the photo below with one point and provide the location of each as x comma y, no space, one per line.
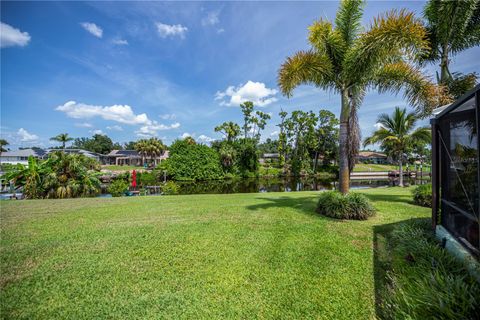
382,259
389,198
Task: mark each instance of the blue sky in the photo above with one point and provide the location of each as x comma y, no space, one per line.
136,69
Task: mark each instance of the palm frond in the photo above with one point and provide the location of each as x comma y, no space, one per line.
305,67
348,20
421,92
393,35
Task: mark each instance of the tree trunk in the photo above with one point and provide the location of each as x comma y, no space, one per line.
400,181
344,183
445,74
315,163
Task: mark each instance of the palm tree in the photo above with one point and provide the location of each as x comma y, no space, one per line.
397,135
230,130
3,143
190,140
155,149
348,61
63,138
142,147
453,26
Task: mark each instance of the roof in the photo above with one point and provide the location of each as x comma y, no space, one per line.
466,97
24,153
123,153
371,154
77,151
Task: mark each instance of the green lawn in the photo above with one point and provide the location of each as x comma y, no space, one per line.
362,167
191,257
121,168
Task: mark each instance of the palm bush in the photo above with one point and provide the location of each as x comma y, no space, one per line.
170,188
352,206
422,195
60,176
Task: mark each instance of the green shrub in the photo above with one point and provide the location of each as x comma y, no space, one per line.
425,281
118,187
422,195
170,187
350,206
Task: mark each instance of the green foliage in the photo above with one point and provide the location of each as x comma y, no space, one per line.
422,195
150,148
98,143
60,176
247,157
192,162
352,206
230,130
3,143
118,188
170,188
425,281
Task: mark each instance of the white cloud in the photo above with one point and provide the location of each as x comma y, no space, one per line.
204,138
186,135
115,128
83,125
274,133
26,136
211,19
166,30
378,126
92,28
167,116
97,131
152,129
221,30
256,92
120,42
10,36
119,113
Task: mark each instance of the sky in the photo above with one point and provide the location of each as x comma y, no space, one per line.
134,70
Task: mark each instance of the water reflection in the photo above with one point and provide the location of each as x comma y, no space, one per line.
272,185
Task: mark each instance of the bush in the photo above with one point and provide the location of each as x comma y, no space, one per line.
118,187
422,195
425,281
350,206
189,161
170,187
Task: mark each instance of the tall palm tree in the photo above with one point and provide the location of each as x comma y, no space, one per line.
348,60
155,149
63,138
142,147
230,130
397,135
453,26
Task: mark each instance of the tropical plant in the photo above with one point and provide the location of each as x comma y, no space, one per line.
453,26
422,195
336,205
347,60
170,188
230,130
397,135
63,138
60,176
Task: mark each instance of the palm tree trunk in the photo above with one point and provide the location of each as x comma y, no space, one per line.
400,182
445,75
344,183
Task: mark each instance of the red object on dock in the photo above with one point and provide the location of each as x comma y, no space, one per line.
134,179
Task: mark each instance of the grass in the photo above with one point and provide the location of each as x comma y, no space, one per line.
362,167
121,168
197,256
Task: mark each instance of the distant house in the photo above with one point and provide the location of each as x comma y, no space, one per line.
372,157
132,158
269,158
21,156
